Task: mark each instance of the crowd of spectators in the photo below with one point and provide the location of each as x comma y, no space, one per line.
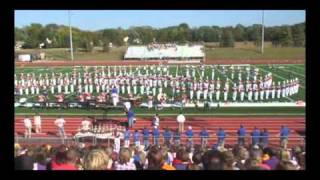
157,157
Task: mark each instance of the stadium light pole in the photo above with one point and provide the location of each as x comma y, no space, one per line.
70,32
262,33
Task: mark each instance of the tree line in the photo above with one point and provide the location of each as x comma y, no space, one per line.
282,36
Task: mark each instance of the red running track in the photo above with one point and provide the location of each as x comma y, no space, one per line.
229,124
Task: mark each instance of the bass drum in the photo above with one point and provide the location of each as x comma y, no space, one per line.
162,97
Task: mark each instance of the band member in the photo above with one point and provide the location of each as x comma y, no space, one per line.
198,92
250,93
283,89
72,88
115,96
241,90
26,88
191,92
278,90
32,89
273,91
66,90
60,98
218,90
261,91
59,88
255,91
205,90
90,87
234,94
211,90
225,91
85,125
150,102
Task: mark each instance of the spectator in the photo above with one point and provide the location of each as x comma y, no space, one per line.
140,160
181,119
189,134
65,159
285,165
264,138
155,160
212,160
204,137
242,135
167,136
273,160
197,163
183,156
127,135
156,135
37,122
284,133
228,161
136,138
124,160
255,160
40,159
241,156
96,159
24,161
221,136
177,137
146,134
255,136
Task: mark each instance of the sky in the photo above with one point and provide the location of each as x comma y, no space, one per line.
93,20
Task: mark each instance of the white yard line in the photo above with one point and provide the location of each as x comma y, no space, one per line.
303,75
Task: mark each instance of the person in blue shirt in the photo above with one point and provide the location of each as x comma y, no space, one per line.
136,138
130,117
189,134
264,138
204,137
255,136
284,133
177,137
221,136
146,134
167,136
127,135
241,135
156,135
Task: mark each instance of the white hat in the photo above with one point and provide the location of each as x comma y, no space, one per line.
189,127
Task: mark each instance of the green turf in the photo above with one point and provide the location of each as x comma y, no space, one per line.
170,111
269,53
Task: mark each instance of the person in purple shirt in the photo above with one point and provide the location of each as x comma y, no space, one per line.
242,135
167,136
221,136
127,135
273,160
264,138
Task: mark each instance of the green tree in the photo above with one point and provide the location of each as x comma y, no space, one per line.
227,39
298,34
285,36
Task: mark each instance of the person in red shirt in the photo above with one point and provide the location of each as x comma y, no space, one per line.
65,159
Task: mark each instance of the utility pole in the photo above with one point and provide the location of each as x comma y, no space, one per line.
70,32
262,34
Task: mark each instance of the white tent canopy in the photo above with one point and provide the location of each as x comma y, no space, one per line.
171,52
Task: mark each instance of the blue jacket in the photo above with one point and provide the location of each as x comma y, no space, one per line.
136,136
156,133
127,135
221,134
242,131
204,133
167,135
189,133
130,114
265,137
284,132
255,133
146,133
114,90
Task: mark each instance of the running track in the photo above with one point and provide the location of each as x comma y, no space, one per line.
229,124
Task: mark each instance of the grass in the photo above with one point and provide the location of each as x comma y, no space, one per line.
171,111
241,51
269,53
